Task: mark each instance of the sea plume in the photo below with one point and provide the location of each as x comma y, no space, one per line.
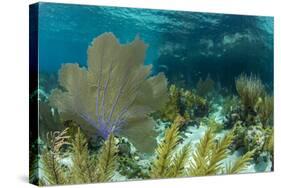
114,94
250,89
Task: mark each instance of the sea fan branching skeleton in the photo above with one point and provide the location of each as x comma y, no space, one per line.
115,94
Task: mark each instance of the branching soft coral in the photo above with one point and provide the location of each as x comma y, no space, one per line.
114,94
265,108
54,173
82,167
166,164
240,164
184,103
209,155
250,89
207,159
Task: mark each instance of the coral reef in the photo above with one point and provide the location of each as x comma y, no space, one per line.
265,109
254,138
114,120
184,103
251,115
196,105
68,159
115,94
250,90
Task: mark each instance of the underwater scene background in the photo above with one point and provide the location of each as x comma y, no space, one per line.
131,94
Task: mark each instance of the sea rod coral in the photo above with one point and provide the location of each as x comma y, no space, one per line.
114,94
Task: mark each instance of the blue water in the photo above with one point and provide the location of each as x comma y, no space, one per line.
184,45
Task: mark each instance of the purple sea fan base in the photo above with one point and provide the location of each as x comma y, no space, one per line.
103,127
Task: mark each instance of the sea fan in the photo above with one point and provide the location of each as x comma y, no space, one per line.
115,94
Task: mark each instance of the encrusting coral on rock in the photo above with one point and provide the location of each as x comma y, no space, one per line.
252,116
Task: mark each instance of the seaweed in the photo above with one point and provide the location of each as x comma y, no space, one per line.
114,94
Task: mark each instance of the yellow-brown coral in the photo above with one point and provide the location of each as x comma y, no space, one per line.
265,109
184,103
250,89
165,163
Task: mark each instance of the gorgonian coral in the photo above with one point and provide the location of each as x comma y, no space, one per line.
250,89
114,94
